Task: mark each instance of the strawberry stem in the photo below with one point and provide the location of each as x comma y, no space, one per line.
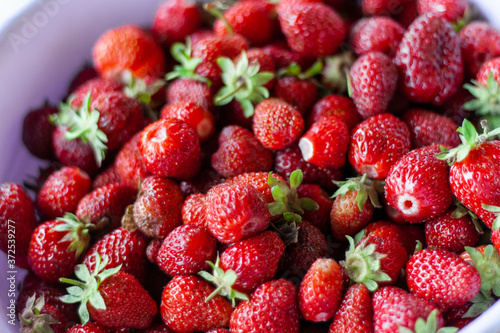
212,9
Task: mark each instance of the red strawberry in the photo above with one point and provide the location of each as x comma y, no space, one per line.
335,105
203,181
355,313
194,115
106,177
186,250
159,328
451,10
129,163
276,124
184,309
86,73
17,222
406,234
428,128
37,132
282,56
320,292
320,217
495,238
189,90
175,20
62,191
442,277
94,87
272,307
382,7
325,143
377,143
90,328
235,212
456,316
157,210
394,308
480,42
373,78
486,260
170,148
429,60
407,14
378,34
259,180
194,210
417,185
128,49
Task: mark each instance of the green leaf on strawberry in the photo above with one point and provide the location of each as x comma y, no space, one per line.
186,69
139,90
488,266
495,210
295,70
480,303
31,320
428,326
365,188
487,96
77,233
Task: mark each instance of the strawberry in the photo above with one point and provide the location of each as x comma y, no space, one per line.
106,177
417,185
94,87
175,20
325,143
190,91
194,210
56,247
86,73
92,327
472,175
276,124
219,330
320,217
111,298
428,128
429,60
495,238
195,116
203,181
480,42
377,143
185,250
235,212
170,148
442,277
37,132
406,234
39,316
407,14
382,7
355,313
62,191
128,48
272,307
259,180
184,307
129,163
159,328
338,106
157,210
17,223
282,55
486,260
376,34
451,10
311,29
395,309
320,291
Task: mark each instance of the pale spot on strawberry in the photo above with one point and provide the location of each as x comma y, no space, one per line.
204,128
408,204
306,148
160,135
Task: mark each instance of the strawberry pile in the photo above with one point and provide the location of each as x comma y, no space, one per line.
300,166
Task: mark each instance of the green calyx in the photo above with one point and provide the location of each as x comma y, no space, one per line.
488,266
186,69
32,321
77,233
428,326
480,303
137,88
362,264
470,139
295,70
287,202
224,282
87,289
460,211
242,82
487,96
82,124
496,211
365,188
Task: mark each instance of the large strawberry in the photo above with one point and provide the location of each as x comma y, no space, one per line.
194,115
175,20
379,34
129,163
355,313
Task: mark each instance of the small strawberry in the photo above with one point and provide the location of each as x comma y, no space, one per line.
190,90
92,327
442,277
480,42
451,10
377,143
184,309
373,81
320,217
129,163
376,34
194,115
175,20
37,131
355,313
38,316
272,307
417,185
338,106
194,210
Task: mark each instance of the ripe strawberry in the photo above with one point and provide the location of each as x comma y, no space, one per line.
39,316
106,205
106,177
184,309
311,29
175,20
92,327
495,238
486,260
320,217
129,163
376,34
355,313
480,42
394,308
123,248
417,185
94,87
195,116
325,143
382,7
157,210
406,234
37,132
442,277
338,106
170,148
17,222
451,10
272,307
320,291
194,210
373,78
128,49
235,212
186,250
429,60
456,316
56,247
377,143
111,298
282,55
428,128
62,191
259,180
190,90
276,124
